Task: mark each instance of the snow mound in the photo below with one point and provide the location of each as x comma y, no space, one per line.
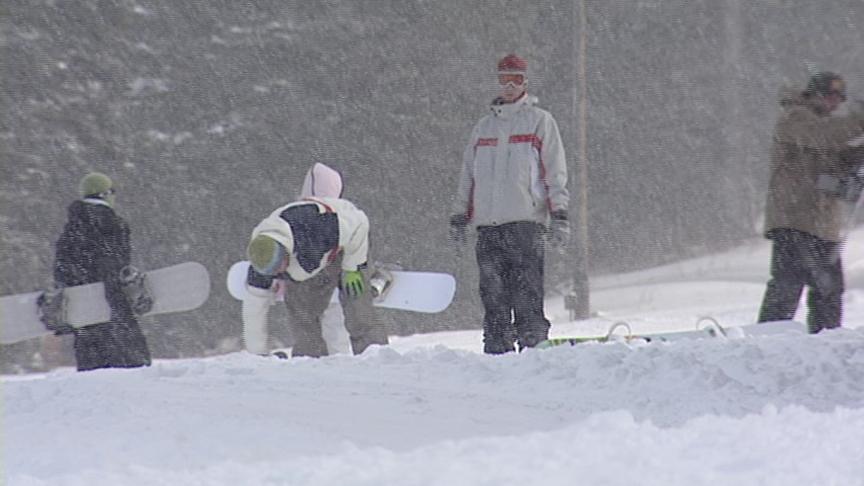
718,410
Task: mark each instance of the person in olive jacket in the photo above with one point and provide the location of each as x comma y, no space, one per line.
95,247
805,216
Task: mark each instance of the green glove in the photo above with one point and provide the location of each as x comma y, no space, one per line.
353,284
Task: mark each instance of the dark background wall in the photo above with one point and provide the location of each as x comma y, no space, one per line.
208,113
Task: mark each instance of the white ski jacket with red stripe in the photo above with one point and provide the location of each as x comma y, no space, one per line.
514,167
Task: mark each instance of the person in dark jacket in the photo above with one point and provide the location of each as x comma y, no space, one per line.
804,214
95,247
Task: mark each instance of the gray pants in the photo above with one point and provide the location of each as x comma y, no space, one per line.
306,302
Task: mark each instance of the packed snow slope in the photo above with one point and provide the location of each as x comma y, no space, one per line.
786,409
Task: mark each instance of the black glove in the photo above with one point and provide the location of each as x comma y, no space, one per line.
459,228
559,229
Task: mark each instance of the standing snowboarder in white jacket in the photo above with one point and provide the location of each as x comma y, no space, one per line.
513,189
306,249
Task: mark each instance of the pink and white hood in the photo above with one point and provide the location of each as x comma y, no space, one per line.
322,181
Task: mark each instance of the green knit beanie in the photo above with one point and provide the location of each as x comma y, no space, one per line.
94,183
265,254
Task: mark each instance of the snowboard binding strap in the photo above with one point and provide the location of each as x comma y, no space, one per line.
52,309
611,334
136,289
713,328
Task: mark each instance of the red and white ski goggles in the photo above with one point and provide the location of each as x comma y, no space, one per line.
514,80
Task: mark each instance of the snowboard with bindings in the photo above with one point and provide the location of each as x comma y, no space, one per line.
177,288
706,327
426,292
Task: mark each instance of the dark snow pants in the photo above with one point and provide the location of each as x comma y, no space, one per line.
510,259
116,344
306,302
111,345
799,259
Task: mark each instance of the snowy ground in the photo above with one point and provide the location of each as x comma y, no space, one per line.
430,409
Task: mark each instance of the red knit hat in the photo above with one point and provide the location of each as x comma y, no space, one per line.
512,64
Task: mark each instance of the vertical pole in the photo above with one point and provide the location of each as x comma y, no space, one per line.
746,205
578,302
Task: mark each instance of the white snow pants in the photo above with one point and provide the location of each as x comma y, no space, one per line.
256,308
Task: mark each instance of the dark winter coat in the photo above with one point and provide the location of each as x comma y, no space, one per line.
807,144
94,247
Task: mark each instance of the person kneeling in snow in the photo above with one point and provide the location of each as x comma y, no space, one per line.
306,249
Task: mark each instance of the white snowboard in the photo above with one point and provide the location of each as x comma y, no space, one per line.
176,288
767,329
749,330
427,292
706,328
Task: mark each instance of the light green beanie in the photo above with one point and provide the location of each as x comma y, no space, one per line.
265,254
94,183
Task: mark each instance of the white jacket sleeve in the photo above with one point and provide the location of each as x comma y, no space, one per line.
462,204
555,164
255,309
357,247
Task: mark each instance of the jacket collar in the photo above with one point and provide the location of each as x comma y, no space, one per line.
501,109
93,200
